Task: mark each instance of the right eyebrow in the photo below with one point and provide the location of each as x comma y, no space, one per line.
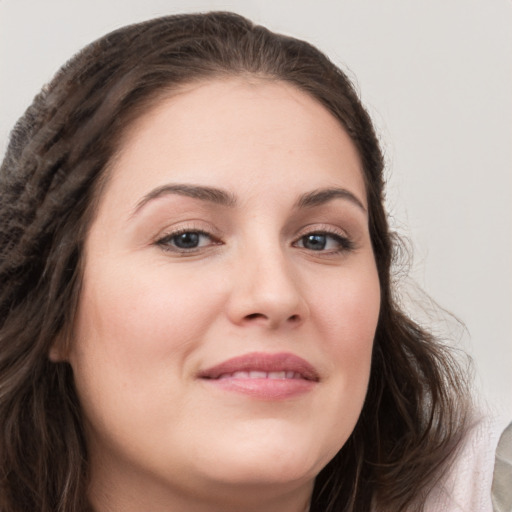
209,194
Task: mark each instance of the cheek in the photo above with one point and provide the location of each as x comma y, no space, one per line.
137,315
347,308
347,311
134,333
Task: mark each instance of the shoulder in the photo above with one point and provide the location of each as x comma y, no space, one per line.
501,489
466,487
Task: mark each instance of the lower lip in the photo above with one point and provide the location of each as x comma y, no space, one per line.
265,389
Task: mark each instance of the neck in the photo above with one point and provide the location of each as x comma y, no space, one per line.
136,492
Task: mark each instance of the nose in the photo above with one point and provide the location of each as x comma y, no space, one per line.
266,291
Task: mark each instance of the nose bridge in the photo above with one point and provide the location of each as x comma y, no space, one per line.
266,289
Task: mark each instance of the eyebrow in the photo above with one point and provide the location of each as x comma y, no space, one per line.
221,197
210,194
324,195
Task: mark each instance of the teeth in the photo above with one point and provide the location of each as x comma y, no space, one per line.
258,375
276,375
239,375
261,375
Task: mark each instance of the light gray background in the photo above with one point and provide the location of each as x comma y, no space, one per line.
437,79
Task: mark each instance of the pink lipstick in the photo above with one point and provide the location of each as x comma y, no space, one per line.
262,375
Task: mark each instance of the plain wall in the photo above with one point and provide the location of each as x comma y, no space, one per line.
437,79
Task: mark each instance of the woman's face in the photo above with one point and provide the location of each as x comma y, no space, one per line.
229,302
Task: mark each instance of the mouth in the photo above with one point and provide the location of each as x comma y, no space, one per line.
257,374
263,375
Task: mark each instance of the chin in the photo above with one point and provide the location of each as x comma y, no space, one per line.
277,456
265,474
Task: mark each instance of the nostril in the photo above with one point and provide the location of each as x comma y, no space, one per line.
294,318
253,316
256,316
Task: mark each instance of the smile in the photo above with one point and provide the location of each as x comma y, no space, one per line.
261,375
264,376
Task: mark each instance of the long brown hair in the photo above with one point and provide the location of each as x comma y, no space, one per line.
52,174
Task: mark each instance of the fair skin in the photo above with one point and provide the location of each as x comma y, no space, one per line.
233,228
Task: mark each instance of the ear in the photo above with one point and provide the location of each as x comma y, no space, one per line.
59,349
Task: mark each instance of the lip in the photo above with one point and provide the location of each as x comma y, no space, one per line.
292,375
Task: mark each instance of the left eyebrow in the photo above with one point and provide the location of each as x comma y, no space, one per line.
324,195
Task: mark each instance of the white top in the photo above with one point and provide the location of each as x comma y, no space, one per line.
467,486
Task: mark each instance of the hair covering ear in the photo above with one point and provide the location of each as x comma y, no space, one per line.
59,349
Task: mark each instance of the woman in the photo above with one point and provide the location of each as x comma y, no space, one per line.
197,310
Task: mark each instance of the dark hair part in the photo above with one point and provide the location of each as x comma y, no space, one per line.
414,414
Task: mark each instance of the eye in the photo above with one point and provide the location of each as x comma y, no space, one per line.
186,241
324,242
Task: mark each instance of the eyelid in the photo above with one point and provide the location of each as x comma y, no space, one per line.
321,228
184,226
168,234
326,229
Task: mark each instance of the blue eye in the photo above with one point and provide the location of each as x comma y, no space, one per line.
314,242
321,241
188,240
185,241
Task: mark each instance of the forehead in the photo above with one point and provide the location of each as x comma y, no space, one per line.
237,132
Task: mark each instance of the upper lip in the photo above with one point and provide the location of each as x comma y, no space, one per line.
264,362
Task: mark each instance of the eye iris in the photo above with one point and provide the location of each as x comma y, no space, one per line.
315,242
186,240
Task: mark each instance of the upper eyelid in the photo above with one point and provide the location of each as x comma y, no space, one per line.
213,233
321,228
177,232
208,230
187,226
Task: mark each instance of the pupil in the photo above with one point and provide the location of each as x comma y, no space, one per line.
314,242
187,240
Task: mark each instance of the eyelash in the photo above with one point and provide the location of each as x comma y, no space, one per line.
166,240
343,242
